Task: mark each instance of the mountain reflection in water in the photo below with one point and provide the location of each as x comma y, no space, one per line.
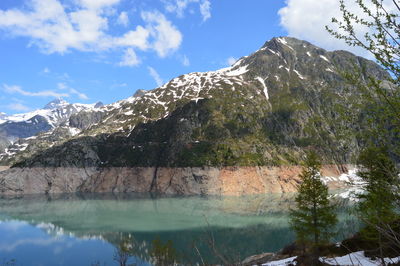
97,229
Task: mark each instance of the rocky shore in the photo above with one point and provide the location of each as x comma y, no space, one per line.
181,181
3,168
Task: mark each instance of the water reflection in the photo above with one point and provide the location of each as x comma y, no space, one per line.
113,229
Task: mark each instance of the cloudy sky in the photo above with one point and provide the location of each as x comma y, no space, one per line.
104,50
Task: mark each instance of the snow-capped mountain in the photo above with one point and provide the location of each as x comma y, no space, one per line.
263,110
29,124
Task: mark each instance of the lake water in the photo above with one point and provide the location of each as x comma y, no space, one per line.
105,229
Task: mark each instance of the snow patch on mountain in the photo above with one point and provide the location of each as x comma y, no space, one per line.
74,131
273,52
261,80
298,74
284,42
324,58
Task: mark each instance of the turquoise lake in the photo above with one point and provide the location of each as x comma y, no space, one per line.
93,229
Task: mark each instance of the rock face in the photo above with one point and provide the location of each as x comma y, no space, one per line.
4,143
183,181
3,168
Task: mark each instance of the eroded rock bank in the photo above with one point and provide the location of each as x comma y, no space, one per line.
3,168
183,181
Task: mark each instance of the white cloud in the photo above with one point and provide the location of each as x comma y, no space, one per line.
167,38
47,93
119,85
53,29
180,6
231,60
84,26
205,9
18,107
123,19
63,86
154,74
130,58
306,19
80,95
18,90
97,4
47,72
185,61
137,38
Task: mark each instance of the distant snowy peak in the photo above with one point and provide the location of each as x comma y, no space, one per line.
56,103
98,105
288,42
55,112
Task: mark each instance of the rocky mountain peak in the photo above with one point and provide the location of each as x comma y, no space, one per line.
139,93
56,103
289,43
98,105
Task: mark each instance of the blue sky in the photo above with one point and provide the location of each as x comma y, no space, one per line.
104,50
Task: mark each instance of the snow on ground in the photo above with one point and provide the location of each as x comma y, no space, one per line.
355,258
280,262
324,58
237,72
273,52
261,80
355,185
74,131
298,74
355,182
284,42
351,177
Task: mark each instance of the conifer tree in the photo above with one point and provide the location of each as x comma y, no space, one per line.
377,205
314,216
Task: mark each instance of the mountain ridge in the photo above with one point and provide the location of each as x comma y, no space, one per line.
239,130
258,111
